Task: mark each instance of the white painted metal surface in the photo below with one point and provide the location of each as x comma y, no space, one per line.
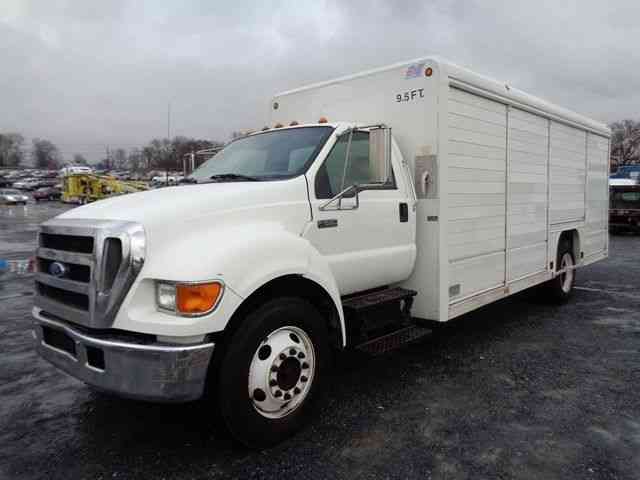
510,175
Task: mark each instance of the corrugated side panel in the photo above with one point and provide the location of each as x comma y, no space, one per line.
477,180
528,160
597,195
568,173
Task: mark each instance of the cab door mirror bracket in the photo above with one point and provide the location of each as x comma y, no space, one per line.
335,203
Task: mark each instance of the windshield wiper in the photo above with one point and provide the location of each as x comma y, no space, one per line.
233,176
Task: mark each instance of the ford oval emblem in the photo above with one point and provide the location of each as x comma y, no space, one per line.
57,269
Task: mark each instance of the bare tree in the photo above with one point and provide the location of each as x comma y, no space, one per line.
135,160
625,142
11,153
45,154
167,155
120,158
79,159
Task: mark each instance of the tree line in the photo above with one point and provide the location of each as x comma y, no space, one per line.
167,154
159,153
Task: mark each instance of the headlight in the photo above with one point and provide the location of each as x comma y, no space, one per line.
188,299
11,198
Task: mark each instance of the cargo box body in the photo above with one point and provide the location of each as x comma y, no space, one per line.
499,176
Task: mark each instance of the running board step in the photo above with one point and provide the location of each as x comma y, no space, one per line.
394,340
379,297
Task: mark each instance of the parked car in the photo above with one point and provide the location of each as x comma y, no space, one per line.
47,182
27,184
72,169
11,196
5,182
47,193
161,180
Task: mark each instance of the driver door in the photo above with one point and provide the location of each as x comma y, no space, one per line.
368,238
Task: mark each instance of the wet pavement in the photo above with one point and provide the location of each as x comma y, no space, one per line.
519,389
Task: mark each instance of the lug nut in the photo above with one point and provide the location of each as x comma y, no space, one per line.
272,383
274,368
292,351
282,356
303,379
278,393
296,391
287,396
301,355
264,352
305,365
259,395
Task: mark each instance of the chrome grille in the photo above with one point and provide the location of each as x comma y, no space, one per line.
86,267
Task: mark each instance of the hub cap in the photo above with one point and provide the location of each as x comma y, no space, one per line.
567,276
281,372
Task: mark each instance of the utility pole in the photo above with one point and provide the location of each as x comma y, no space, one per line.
168,140
169,121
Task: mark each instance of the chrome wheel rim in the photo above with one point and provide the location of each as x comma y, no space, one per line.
281,372
567,275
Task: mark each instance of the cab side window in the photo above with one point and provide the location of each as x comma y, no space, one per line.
329,179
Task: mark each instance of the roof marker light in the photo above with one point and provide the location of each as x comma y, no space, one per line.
428,72
265,128
293,124
278,125
323,120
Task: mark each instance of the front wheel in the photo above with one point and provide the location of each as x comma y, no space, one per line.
271,373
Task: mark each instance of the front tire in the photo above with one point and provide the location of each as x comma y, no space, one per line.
272,372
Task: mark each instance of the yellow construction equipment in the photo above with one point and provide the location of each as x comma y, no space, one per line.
87,187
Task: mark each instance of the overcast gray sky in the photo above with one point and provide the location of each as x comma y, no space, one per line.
87,73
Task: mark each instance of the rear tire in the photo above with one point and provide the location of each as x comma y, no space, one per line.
560,288
271,373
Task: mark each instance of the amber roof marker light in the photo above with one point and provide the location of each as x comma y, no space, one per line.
323,120
428,72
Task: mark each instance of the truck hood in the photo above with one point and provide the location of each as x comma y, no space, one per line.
170,206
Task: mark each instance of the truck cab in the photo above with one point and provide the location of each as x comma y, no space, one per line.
371,205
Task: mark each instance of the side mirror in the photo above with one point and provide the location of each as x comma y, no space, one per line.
380,154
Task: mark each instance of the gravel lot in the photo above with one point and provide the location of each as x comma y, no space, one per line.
519,389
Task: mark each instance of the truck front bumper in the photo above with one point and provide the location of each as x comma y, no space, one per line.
126,367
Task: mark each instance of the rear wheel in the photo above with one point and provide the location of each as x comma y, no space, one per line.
271,373
561,287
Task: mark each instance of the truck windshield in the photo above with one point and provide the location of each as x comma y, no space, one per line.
272,155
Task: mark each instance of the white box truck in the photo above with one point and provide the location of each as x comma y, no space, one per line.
375,202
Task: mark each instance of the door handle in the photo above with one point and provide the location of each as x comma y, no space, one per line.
329,223
404,212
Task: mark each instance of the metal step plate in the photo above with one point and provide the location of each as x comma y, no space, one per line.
394,340
379,297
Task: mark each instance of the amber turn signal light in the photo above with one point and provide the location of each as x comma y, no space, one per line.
197,299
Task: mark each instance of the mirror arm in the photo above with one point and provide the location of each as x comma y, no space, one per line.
339,196
346,164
